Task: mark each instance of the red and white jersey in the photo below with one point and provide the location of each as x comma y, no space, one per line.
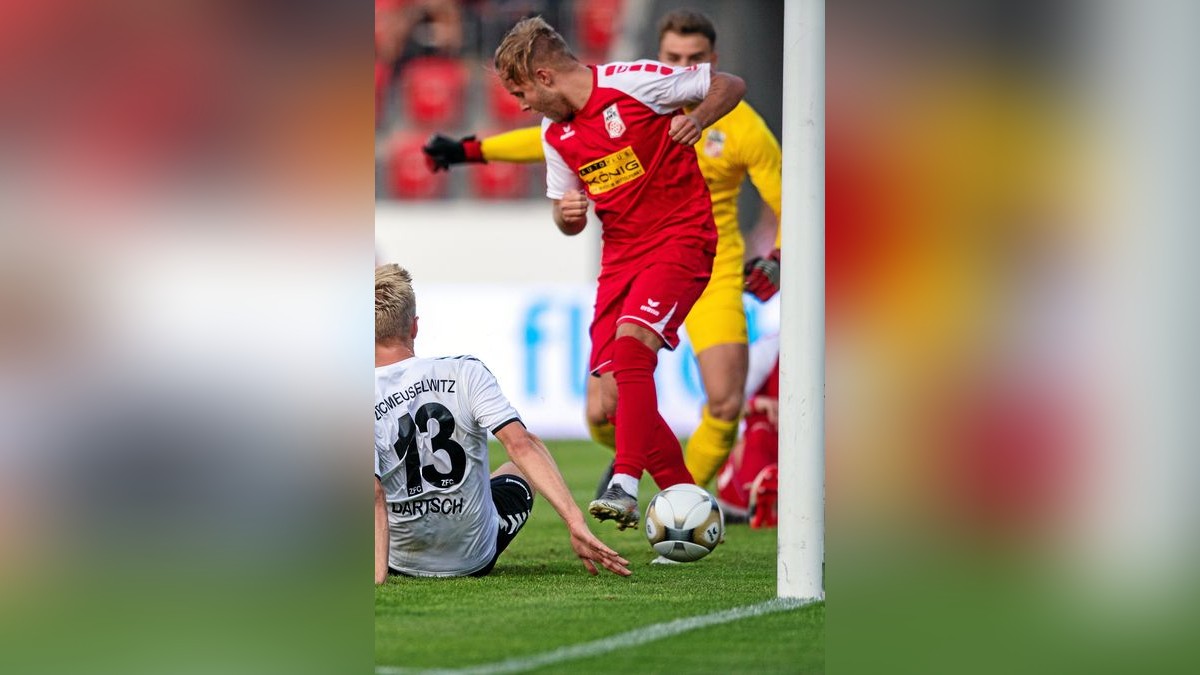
647,189
432,418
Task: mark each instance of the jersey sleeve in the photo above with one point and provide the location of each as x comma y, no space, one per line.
660,87
520,146
483,396
560,179
759,152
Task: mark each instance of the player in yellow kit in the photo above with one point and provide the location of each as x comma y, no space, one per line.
737,145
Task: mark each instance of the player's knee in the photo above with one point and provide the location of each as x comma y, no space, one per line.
640,333
727,406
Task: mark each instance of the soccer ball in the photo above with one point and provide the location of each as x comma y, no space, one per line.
684,523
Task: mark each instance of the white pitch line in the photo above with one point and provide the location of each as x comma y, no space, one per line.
637,636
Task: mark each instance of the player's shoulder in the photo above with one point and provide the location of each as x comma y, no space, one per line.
462,362
745,130
620,72
457,357
743,116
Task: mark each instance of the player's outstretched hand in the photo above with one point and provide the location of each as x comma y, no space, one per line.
762,276
591,551
685,130
442,151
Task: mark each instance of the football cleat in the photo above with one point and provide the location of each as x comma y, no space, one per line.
616,504
764,498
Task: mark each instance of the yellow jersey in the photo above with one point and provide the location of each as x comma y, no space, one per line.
737,145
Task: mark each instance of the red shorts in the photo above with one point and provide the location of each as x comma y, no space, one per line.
658,296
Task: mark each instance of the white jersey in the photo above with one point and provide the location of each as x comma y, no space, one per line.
432,417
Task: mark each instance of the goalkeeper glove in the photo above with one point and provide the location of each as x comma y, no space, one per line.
762,276
443,151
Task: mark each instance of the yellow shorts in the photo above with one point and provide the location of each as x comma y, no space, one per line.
719,317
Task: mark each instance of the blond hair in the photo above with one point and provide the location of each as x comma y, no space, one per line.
395,303
530,44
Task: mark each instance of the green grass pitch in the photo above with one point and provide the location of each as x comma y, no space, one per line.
539,597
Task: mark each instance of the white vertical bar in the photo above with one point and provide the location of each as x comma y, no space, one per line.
802,320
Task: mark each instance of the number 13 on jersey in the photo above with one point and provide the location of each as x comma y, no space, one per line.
408,449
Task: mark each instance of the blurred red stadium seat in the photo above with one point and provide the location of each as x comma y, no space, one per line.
596,27
434,91
383,79
408,177
500,180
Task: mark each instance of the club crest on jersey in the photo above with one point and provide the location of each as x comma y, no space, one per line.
714,144
613,122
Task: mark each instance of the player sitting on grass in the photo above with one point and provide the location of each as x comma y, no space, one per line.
437,513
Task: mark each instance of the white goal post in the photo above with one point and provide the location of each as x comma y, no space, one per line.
802,309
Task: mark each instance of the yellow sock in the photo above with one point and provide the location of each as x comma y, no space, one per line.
709,447
605,434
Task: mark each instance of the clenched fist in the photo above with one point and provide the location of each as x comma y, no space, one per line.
572,212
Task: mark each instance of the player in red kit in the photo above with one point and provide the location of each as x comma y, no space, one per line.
619,132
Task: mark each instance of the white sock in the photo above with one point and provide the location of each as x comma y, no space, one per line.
628,483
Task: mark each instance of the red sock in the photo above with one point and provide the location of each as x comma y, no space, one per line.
644,441
759,449
665,464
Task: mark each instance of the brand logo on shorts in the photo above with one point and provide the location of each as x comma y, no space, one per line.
613,123
651,306
521,484
511,523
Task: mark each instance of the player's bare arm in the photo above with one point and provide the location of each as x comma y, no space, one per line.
724,93
534,460
381,535
570,212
